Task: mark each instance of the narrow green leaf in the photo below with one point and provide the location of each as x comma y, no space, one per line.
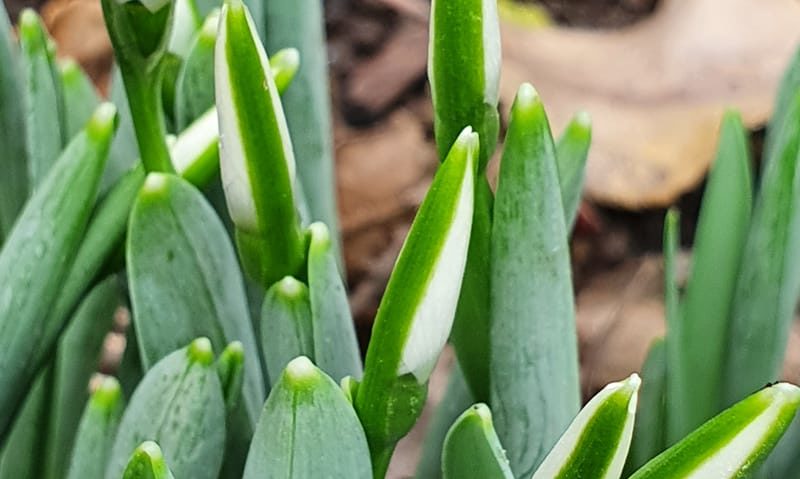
417,310
230,367
300,24
40,440
650,427
131,371
308,430
534,358
184,280
13,155
124,153
44,108
675,366
472,322
38,253
596,443
256,156
572,151
286,329
768,284
104,233
96,432
456,399
717,253
789,87
335,344
77,358
80,96
734,443
179,404
464,72
147,462
194,93
472,449
24,444
194,155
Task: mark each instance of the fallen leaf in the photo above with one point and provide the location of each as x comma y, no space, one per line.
656,90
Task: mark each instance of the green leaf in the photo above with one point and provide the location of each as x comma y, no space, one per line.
416,312
178,404
286,329
256,157
124,153
472,322
77,358
80,97
230,367
195,86
464,72
307,430
733,444
650,427
769,277
38,253
300,24
596,443
789,87
44,108
13,155
41,439
534,358
456,399
104,234
335,344
572,150
717,253
96,432
24,444
184,280
472,449
673,395
147,462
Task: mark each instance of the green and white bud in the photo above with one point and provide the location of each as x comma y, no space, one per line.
732,444
464,71
596,443
256,157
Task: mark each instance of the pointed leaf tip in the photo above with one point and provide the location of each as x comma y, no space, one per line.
108,393
200,351
301,370
319,233
103,121
290,287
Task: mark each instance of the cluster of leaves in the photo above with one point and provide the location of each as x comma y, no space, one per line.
162,200
728,330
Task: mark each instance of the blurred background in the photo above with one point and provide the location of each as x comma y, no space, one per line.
655,76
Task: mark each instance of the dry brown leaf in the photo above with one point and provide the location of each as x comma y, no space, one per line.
656,90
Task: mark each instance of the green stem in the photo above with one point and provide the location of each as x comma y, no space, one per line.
380,460
144,98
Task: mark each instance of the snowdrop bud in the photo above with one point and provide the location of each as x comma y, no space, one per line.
597,441
464,71
256,156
